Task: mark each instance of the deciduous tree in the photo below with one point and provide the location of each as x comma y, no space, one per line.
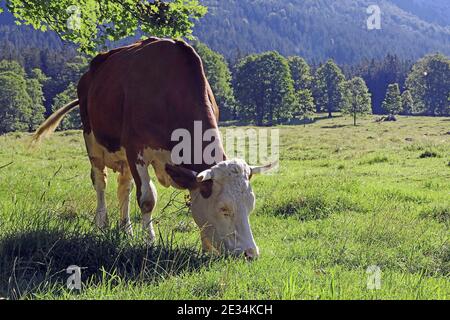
91,23
356,98
15,103
328,87
219,77
265,89
301,73
429,83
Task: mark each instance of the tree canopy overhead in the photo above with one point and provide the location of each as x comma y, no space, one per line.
90,24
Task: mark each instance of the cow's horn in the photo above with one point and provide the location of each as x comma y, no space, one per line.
205,175
262,169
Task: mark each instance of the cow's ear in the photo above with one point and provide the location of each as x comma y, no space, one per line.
184,178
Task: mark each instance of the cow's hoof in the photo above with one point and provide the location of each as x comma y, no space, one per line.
101,220
149,241
127,228
150,237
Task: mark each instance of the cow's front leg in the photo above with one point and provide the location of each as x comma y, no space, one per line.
125,184
99,180
145,191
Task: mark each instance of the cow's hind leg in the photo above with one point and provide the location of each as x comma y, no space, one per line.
99,179
145,191
125,184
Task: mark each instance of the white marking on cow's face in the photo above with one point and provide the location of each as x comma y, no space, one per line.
224,216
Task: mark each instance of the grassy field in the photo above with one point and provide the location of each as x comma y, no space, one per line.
345,198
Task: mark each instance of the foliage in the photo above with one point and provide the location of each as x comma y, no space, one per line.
73,119
34,88
264,88
407,103
328,92
69,73
21,98
301,73
429,84
91,23
219,77
392,104
356,98
378,74
15,104
305,104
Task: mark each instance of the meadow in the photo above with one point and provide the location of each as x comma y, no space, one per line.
345,198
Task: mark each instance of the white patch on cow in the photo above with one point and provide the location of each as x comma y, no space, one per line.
101,215
224,217
148,190
158,158
147,225
117,161
148,196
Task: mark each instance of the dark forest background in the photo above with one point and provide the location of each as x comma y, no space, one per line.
301,44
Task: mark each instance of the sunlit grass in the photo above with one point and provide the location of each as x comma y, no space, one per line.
345,198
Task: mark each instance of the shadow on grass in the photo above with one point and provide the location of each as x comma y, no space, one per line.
312,207
292,122
34,260
336,126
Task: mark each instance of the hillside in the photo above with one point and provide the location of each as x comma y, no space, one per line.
315,29
436,11
320,29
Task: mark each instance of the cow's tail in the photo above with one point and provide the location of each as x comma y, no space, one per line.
52,122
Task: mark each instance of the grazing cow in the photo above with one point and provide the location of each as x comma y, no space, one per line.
131,101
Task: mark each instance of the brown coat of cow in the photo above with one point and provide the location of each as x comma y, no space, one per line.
136,96
131,101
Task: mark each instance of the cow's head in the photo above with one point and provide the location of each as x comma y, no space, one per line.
222,200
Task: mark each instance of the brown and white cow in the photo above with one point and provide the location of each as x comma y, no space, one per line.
131,101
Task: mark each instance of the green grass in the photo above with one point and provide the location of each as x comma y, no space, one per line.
345,198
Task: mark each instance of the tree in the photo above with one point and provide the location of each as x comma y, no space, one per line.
328,87
91,23
407,103
301,73
356,98
429,83
71,72
15,103
392,104
264,88
305,104
73,119
12,66
34,89
219,77
378,74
